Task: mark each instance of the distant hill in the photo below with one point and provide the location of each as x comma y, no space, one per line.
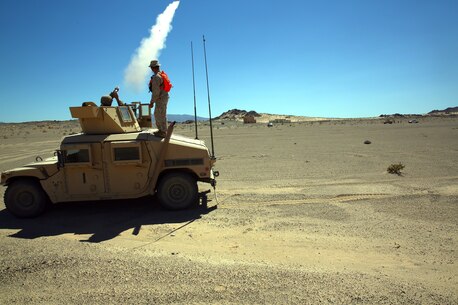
445,112
448,110
180,118
236,114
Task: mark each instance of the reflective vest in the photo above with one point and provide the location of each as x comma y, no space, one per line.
166,84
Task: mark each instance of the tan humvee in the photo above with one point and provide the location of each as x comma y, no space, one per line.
113,158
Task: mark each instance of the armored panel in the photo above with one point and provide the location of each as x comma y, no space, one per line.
86,112
105,120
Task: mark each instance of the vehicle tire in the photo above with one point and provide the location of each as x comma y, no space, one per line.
177,191
25,198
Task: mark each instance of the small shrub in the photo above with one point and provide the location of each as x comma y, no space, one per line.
395,169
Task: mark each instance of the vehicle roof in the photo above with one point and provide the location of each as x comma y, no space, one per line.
145,135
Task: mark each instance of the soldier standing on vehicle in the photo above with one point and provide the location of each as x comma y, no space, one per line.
159,87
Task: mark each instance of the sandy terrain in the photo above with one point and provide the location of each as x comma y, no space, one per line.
306,214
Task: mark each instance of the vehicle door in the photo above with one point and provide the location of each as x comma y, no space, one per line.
83,170
127,164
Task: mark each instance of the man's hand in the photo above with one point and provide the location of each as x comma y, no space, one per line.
114,95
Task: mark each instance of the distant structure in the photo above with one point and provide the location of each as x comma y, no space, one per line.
249,119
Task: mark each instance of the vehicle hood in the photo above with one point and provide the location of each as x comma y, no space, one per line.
46,162
40,169
187,141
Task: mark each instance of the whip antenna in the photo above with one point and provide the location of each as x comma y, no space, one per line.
209,107
194,88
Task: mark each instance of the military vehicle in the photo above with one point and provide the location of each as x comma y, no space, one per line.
116,156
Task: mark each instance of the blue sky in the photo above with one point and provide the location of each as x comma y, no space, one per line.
355,58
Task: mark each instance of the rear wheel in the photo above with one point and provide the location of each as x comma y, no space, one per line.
25,198
177,191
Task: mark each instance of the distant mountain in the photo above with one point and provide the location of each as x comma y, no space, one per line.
240,115
445,111
237,114
180,118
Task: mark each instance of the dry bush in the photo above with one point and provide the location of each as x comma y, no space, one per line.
395,169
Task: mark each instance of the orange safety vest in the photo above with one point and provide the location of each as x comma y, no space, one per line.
166,84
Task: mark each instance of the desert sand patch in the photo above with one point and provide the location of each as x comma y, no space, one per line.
306,213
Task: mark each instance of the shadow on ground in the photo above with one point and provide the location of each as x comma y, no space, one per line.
103,220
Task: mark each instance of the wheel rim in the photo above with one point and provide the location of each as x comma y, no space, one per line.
25,199
177,193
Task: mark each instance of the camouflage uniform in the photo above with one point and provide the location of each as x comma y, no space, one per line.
160,98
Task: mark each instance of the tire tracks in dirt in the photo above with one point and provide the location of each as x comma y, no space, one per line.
266,201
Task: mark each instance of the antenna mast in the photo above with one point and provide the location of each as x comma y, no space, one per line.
194,88
209,107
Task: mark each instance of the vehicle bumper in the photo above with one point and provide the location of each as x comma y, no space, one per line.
212,178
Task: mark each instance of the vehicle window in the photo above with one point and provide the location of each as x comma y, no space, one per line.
126,153
125,114
77,155
145,110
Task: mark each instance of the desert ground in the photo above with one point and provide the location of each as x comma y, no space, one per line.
306,213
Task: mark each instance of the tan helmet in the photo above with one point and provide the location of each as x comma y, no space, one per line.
154,63
106,100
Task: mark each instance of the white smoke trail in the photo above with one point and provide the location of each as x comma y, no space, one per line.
150,48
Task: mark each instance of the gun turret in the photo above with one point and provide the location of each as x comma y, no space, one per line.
108,119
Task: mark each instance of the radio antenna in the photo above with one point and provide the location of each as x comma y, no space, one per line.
194,88
209,107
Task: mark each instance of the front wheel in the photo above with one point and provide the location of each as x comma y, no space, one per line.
25,198
177,191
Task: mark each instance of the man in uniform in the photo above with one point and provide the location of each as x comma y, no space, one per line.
160,97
